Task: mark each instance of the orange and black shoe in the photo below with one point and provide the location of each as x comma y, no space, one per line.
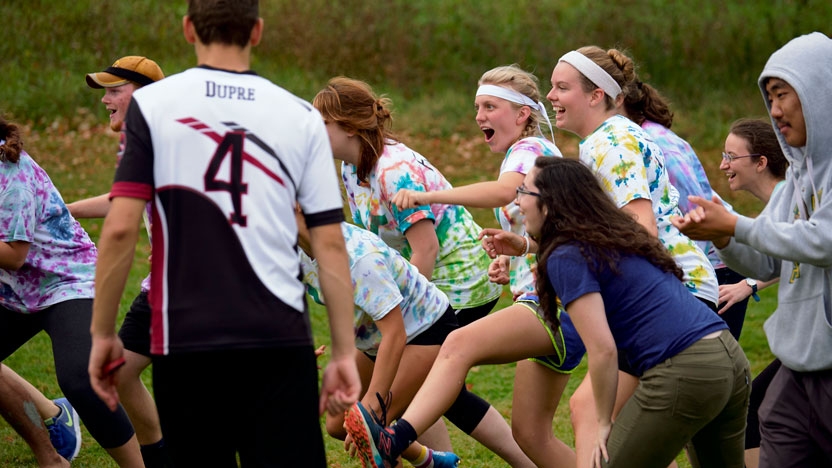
374,442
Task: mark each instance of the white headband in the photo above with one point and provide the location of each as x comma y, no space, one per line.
518,98
593,71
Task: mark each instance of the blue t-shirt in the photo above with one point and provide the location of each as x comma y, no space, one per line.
651,314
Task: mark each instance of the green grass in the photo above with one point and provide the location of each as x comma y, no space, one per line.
427,56
79,156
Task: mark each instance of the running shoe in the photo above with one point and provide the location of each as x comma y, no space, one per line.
65,430
445,459
374,442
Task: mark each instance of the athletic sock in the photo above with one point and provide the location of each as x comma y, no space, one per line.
155,455
403,435
424,460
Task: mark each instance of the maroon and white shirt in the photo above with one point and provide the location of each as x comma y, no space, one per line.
224,156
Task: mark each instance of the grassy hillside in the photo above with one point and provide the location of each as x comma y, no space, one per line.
421,51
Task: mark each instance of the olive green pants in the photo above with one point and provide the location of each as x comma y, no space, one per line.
697,398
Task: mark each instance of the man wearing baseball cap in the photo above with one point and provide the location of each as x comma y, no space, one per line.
119,81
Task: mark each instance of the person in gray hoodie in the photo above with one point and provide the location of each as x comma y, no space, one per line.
792,239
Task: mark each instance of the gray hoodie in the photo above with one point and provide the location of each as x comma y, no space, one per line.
792,237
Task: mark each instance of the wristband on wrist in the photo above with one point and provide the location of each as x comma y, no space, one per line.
753,285
528,246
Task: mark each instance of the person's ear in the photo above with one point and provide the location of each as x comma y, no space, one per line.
523,115
257,32
596,96
762,163
188,30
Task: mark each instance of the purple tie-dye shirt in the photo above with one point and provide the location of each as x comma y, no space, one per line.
686,173
61,262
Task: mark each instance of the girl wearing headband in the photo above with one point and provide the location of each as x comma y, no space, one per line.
509,115
588,87
440,239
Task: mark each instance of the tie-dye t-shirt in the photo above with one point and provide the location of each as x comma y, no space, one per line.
461,264
61,262
685,172
630,165
382,279
520,158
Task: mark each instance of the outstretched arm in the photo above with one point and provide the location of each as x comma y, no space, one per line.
708,221
498,242
93,207
730,294
491,194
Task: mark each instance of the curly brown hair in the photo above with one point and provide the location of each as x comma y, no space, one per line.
12,147
579,211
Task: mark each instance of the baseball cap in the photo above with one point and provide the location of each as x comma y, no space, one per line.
140,70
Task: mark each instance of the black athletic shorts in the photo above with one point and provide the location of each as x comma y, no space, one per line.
135,330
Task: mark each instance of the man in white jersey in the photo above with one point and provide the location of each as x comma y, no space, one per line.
223,155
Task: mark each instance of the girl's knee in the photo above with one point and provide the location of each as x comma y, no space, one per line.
456,346
524,434
581,407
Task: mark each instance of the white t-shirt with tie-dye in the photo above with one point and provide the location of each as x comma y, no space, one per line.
520,158
631,166
60,264
382,279
461,264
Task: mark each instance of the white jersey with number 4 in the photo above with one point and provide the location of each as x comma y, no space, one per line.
224,156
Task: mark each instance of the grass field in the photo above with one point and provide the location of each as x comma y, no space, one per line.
425,54
78,154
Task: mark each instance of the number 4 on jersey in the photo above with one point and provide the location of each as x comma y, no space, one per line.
231,144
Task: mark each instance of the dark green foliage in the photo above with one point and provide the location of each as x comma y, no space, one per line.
704,57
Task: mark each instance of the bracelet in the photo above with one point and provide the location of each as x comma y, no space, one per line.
528,246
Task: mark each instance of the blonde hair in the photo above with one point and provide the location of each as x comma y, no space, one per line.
514,77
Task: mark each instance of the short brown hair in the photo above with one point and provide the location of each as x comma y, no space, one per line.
761,139
224,21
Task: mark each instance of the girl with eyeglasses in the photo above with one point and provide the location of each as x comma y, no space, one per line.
625,295
753,161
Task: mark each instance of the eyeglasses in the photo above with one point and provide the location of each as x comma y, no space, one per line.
522,190
730,157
